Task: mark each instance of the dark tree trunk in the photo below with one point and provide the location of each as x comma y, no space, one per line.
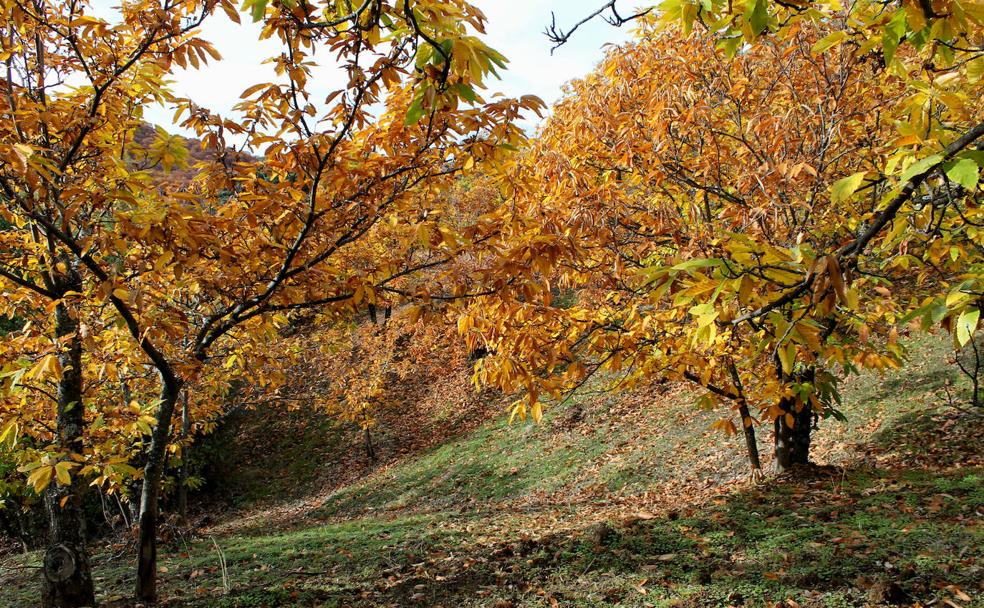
792,434
751,445
185,456
372,314
150,490
66,579
370,450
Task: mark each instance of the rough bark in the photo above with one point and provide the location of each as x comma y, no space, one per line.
751,445
66,578
150,490
792,441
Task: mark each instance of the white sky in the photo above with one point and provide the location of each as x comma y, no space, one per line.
514,28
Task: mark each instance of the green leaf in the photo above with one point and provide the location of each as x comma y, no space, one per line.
964,171
415,112
446,46
922,310
730,45
758,15
257,8
967,325
920,38
697,263
465,92
892,34
844,188
920,166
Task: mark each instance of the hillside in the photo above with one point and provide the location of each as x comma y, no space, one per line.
601,504
154,146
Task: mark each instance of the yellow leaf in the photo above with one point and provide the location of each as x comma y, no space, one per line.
787,357
829,41
40,478
843,189
9,433
61,472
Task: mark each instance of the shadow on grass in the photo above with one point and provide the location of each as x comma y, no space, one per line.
909,531
844,538
893,387
932,437
859,538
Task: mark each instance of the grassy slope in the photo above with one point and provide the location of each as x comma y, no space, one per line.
509,516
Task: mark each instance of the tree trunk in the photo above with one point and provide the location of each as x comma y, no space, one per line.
66,579
367,435
792,434
370,450
133,489
750,444
132,494
150,490
25,535
747,426
185,456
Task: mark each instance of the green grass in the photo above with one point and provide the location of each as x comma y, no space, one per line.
621,453
497,462
507,516
829,541
268,454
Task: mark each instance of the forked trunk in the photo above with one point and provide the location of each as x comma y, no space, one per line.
66,578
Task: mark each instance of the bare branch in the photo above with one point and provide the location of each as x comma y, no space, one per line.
559,36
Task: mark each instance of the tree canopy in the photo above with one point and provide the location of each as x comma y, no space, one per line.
755,198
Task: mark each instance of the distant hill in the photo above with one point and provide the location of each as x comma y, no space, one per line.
171,158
